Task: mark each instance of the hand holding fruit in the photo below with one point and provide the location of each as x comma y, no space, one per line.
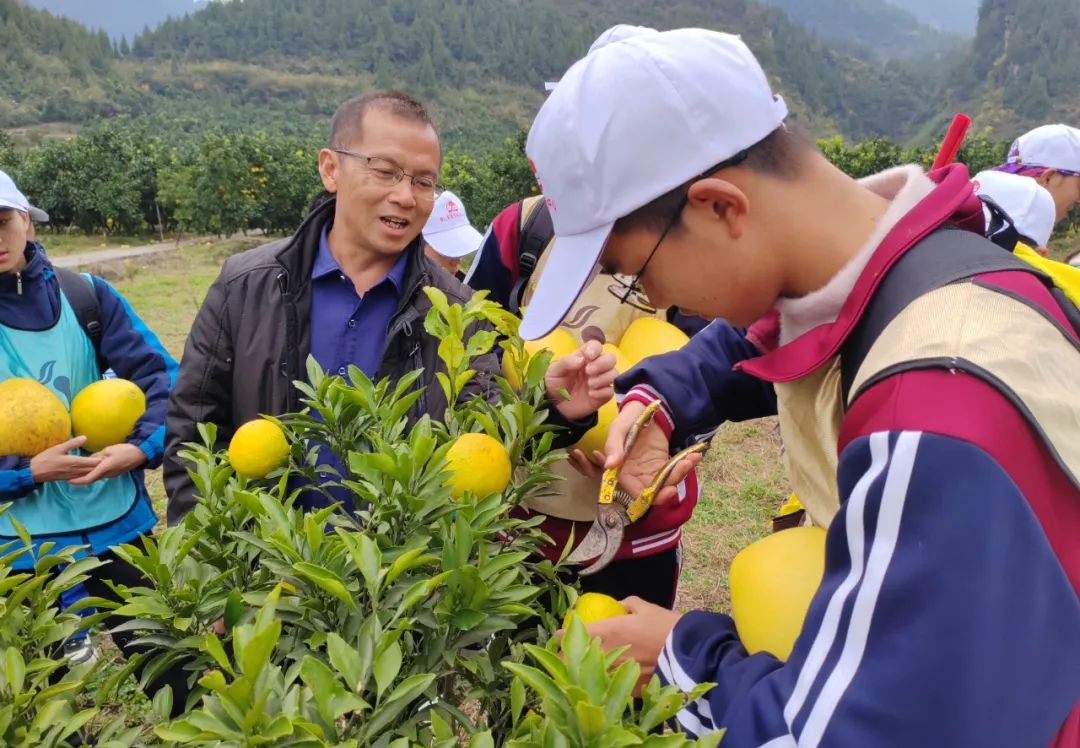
588,375
641,626
55,463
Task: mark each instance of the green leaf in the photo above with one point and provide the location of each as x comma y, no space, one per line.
438,300
15,670
399,699
345,660
387,666
466,620
326,580
256,650
369,562
517,699
538,681
482,740
212,645
234,609
590,719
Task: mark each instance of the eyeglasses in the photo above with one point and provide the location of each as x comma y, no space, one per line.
633,290
387,173
632,293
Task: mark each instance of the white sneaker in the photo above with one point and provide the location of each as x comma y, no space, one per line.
80,652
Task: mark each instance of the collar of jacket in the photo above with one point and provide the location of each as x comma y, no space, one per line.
37,269
298,257
953,201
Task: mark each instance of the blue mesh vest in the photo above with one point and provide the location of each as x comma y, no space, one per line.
61,358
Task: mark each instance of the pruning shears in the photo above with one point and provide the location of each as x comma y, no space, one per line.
616,508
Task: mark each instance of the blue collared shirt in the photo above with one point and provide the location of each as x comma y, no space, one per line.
347,328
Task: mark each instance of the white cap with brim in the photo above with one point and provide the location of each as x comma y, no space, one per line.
1029,206
448,229
1049,147
10,197
635,118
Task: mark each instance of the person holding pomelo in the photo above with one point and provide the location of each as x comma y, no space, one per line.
69,495
919,373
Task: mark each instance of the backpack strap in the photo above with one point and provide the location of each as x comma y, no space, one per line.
946,256
534,235
80,293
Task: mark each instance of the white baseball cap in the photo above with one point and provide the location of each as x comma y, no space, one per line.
10,197
1049,147
632,120
1027,204
448,229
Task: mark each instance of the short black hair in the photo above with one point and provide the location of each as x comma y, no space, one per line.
777,155
345,128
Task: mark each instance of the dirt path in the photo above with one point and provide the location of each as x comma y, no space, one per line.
95,257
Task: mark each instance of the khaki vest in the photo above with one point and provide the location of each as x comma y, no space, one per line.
597,314
962,321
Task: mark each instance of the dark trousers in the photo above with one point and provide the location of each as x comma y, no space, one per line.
123,574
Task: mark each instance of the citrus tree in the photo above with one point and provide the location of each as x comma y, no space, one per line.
418,615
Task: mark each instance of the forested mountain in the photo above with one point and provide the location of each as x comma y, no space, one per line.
119,18
883,30
949,15
53,68
283,65
1024,65
436,45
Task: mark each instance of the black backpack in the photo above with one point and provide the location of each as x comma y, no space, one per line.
535,232
80,293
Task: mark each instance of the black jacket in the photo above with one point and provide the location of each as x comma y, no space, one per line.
251,339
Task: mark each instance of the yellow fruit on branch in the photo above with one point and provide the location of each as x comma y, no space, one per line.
772,582
477,464
558,341
106,412
32,418
258,448
594,606
649,336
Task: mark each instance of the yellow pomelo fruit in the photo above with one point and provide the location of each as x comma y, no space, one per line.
772,582
32,418
594,606
559,341
258,448
596,437
478,464
649,336
106,412
622,361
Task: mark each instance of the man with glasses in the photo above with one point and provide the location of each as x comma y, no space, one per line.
346,288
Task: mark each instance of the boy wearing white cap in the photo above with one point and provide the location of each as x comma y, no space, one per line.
1028,207
912,361
1051,156
448,235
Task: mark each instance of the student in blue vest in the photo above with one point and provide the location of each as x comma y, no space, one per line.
62,496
